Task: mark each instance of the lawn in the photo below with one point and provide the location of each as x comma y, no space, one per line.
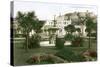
21,56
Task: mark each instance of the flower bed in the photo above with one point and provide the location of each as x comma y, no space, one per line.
45,59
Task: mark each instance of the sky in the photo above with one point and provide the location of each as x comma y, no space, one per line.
46,11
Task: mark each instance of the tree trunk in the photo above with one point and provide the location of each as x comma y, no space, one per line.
89,41
82,30
27,42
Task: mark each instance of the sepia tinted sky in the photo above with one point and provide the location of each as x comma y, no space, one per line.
46,11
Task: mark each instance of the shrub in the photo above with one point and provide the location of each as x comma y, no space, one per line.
44,59
56,59
90,53
69,37
39,59
77,42
92,34
59,43
70,56
34,41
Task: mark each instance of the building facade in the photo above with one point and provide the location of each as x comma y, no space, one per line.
60,22
76,18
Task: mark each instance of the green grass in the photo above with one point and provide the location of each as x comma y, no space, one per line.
21,56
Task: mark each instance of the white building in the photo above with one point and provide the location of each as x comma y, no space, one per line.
79,20
70,18
60,22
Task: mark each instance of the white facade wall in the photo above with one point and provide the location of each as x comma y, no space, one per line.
65,20
61,23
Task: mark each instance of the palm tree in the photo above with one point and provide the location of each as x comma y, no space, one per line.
28,21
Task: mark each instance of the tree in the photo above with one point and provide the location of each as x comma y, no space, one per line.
35,39
90,26
70,28
38,26
81,21
78,30
28,21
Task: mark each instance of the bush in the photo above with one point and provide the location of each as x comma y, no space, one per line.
69,37
90,55
34,41
77,42
70,56
93,35
59,43
44,59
